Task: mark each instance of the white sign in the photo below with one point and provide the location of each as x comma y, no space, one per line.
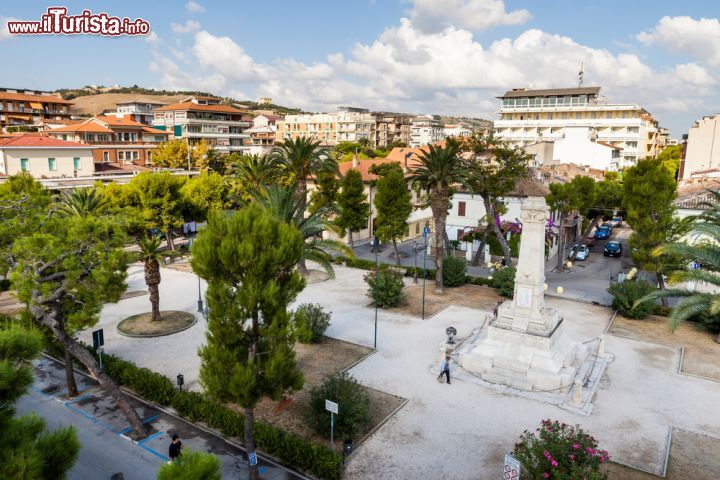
511,469
331,407
524,297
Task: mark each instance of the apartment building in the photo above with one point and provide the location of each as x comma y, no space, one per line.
44,157
200,119
576,146
458,131
262,134
425,129
22,108
140,109
702,153
530,116
348,125
115,140
392,129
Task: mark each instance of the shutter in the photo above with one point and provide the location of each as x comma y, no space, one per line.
461,209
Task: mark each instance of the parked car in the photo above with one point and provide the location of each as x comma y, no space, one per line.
582,252
607,225
616,222
613,249
602,233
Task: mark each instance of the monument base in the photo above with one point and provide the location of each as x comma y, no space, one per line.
522,360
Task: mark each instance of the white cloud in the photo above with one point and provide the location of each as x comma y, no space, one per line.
4,32
475,15
152,37
698,38
194,7
189,27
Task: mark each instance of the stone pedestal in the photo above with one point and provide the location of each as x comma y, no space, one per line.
524,346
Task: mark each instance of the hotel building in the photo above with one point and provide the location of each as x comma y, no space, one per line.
347,125
21,108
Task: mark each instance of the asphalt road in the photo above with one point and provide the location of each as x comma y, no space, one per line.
106,452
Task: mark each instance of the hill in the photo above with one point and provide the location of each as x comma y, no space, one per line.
90,104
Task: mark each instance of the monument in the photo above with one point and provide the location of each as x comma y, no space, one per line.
524,347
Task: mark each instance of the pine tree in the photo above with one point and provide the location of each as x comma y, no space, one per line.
27,451
248,258
192,466
354,209
393,204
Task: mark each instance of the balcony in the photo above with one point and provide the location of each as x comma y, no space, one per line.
202,121
187,134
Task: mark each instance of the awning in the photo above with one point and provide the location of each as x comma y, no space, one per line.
36,105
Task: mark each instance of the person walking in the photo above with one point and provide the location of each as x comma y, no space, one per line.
175,448
445,369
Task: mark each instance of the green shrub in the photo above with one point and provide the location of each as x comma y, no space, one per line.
454,271
4,284
625,295
192,466
353,411
708,321
560,451
312,320
385,287
504,281
409,272
482,281
496,249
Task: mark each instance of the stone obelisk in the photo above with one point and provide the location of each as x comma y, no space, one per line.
524,346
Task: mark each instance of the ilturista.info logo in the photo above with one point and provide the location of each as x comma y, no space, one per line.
56,21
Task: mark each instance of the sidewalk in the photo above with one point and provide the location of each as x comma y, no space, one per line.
102,429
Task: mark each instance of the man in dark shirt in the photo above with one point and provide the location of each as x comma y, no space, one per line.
175,448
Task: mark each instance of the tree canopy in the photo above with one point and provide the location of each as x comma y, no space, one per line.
353,208
393,204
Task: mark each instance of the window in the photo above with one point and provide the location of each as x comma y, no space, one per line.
578,115
461,209
106,156
64,136
24,165
76,163
417,229
52,165
608,115
460,233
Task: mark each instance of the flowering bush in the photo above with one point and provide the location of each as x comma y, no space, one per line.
559,451
385,287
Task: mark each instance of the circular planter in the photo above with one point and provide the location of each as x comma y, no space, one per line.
171,321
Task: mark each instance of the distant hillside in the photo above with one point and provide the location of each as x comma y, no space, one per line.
89,104
279,109
72,93
479,123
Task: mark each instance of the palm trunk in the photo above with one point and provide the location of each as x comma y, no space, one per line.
476,258
446,239
498,234
78,351
169,238
439,209
397,254
661,286
301,196
155,301
70,375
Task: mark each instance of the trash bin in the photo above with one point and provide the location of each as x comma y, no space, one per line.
347,447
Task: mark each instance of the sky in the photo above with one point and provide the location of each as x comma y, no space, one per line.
448,57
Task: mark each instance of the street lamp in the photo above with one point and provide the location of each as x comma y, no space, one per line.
200,300
377,268
425,232
414,245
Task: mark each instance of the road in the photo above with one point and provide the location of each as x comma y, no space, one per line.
587,280
106,452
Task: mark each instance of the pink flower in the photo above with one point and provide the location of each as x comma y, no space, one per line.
576,446
602,459
590,450
572,457
546,453
554,464
546,475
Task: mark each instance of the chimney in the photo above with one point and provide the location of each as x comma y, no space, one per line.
355,161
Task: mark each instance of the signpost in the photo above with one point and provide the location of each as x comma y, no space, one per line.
425,234
511,469
333,408
252,459
98,342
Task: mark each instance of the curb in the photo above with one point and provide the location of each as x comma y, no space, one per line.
134,335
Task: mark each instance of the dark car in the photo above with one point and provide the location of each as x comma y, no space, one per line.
613,249
602,233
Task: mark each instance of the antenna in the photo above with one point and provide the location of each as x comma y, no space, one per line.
581,73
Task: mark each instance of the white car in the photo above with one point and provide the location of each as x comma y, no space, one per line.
582,252
616,222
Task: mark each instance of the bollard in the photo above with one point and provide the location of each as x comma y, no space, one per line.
577,394
601,347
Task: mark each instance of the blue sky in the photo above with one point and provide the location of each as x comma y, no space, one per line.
420,56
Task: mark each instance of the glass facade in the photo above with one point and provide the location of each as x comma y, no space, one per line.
546,102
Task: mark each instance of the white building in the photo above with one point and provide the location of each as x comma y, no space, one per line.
531,116
578,146
140,109
425,130
45,157
262,134
702,157
200,118
351,125
459,131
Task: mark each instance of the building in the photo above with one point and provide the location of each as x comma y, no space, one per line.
459,131
531,116
139,109
392,129
425,130
265,101
115,140
25,108
200,119
578,146
262,134
702,154
45,157
352,125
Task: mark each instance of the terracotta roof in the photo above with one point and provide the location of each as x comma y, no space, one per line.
87,126
527,187
522,92
269,117
692,196
363,166
201,108
21,97
34,141
122,121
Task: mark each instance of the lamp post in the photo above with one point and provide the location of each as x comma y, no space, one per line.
377,268
200,300
425,232
414,245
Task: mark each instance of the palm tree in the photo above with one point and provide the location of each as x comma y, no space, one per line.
299,159
282,203
440,168
80,202
150,255
701,245
255,171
